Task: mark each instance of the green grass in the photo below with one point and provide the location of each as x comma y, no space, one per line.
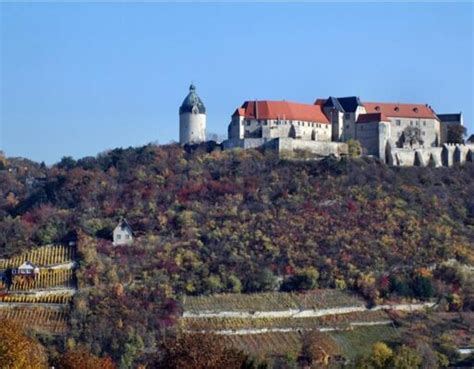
360,340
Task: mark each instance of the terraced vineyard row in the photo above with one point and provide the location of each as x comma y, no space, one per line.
352,342
39,319
276,343
272,301
45,279
56,298
42,256
339,320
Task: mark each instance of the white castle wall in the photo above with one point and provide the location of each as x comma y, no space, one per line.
192,128
285,144
315,147
447,155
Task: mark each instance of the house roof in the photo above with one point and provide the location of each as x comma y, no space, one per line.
450,117
267,109
401,110
123,224
470,139
27,264
371,117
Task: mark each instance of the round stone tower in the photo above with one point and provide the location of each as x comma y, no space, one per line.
192,119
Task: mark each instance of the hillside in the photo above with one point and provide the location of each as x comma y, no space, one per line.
237,222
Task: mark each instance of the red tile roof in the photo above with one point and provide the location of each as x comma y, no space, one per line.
371,117
266,109
400,110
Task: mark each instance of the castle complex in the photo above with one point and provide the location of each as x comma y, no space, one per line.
399,134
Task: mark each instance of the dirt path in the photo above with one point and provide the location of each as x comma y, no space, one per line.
291,313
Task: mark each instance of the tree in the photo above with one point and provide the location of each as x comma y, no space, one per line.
318,349
81,358
67,162
305,280
354,148
379,358
405,358
264,281
455,134
18,351
422,287
200,351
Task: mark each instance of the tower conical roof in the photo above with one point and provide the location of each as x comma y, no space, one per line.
191,102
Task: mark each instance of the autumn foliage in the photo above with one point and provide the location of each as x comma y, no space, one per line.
19,351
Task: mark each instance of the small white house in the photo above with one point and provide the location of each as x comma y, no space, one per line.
123,234
27,268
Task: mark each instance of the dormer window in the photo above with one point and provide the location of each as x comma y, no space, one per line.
396,108
377,108
415,110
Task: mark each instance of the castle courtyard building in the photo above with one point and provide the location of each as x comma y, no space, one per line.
401,134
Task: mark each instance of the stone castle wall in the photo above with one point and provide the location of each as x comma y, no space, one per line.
447,155
286,144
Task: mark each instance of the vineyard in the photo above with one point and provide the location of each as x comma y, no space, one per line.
39,319
339,321
42,256
53,298
272,301
48,278
352,342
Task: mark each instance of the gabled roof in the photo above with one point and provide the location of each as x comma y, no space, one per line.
267,109
350,103
123,224
470,139
27,264
400,110
333,102
371,117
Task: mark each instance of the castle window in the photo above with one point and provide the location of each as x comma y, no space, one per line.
424,123
248,122
398,122
411,122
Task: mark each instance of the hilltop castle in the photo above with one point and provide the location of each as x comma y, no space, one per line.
398,133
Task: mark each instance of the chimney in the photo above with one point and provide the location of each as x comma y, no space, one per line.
256,109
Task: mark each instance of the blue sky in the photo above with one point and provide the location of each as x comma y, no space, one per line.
78,79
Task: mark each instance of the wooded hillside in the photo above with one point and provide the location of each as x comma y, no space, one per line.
236,221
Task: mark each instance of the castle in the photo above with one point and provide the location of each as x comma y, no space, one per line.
399,134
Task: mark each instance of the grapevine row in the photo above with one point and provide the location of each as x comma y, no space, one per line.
45,279
42,256
339,320
49,320
272,301
56,298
